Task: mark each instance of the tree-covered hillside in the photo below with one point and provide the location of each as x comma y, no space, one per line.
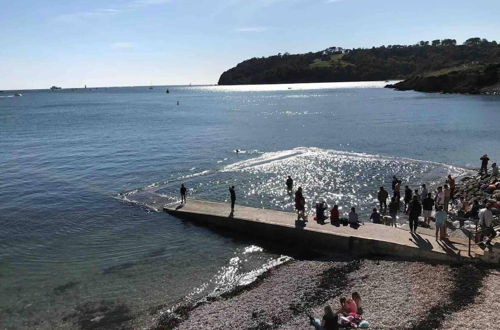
377,63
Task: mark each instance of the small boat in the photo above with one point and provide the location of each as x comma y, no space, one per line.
167,91
53,88
18,94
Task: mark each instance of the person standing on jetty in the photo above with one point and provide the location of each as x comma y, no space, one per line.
382,199
424,192
408,198
447,197
183,194
440,223
289,184
414,211
484,164
451,182
300,204
232,193
439,199
397,192
427,205
393,211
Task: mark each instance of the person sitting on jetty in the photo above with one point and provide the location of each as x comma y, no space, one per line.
300,204
354,219
451,182
427,205
393,210
330,321
321,207
424,192
494,170
408,198
375,216
447,198
382,199
414,211
440,222
484,164
183,194
289,184
232,194
334,215
486,222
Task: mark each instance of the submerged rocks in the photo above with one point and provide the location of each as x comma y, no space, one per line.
101,315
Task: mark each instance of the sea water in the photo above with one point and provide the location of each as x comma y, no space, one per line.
84,174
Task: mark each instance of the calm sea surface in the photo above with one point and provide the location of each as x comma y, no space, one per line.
82,173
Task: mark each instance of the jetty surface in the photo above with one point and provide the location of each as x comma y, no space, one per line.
368,240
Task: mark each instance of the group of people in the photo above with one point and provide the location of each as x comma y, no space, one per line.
349,314
416,203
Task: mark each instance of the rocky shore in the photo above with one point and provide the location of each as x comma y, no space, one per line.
396,295
480,79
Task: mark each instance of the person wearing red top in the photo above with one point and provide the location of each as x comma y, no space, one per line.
334,215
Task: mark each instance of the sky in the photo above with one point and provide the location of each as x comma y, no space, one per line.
70,43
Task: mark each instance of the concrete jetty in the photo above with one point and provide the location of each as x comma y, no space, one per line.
368,240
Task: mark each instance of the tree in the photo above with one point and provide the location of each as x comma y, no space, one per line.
423,43
448,42
472,42
436,42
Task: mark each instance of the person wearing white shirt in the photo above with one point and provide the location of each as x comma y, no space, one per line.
486,221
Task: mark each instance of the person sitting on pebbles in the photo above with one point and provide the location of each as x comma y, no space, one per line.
330,321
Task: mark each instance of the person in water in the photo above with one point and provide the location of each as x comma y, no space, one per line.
289,184
414,211
183,194
328,322
232,194
300,204
382,199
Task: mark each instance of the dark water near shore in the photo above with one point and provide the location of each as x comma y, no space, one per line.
82,171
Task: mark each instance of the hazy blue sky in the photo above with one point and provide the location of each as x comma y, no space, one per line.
134,42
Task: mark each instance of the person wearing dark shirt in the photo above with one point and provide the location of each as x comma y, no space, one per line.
484,164
321,207
300,204
183,193
394,182
289,184
328,322
375,217
414,211
474,211
233,197
382,199
427,205
408,198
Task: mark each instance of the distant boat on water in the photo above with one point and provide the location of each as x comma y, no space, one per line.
167,91
18,94
53,88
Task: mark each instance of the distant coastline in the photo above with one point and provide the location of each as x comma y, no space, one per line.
436,66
